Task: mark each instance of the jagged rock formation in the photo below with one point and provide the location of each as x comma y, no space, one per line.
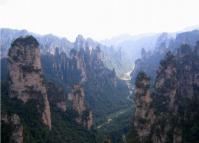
85,66
25,74
76,68
7,36
88,122
84,116
72,102
149,61
15,126
169,110
78,99
57,96
62,105
78,58
48,43
144,115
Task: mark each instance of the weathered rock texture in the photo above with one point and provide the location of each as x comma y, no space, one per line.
13,121
85,66
88,122
84,116
168,112
144,115
78,99
149,61
25,74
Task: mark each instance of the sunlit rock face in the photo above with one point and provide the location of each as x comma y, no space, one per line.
25,75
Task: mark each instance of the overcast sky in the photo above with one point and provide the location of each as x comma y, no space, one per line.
99,19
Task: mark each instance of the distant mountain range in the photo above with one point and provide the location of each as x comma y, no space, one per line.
57,91
120,52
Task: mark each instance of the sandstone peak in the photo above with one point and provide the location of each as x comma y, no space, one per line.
25,41
26,77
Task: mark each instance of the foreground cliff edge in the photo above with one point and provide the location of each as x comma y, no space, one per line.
26,77
28,115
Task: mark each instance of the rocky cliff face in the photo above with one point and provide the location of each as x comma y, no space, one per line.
88,122
15,126
49,43
78,99
25,75
149,62
144,115
80,63
165,101
84,66
169,110
72,103
84,116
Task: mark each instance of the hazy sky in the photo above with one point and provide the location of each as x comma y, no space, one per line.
99,19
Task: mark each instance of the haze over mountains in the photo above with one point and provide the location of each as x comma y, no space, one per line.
99,71
134,89
124,49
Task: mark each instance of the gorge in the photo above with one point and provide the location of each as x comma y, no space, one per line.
57,91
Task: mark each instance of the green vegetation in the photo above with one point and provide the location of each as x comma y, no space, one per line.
60,69
175,98
105,99
64,128
29,69
132,136
35,131
142,81
6,130
114,126
168,60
